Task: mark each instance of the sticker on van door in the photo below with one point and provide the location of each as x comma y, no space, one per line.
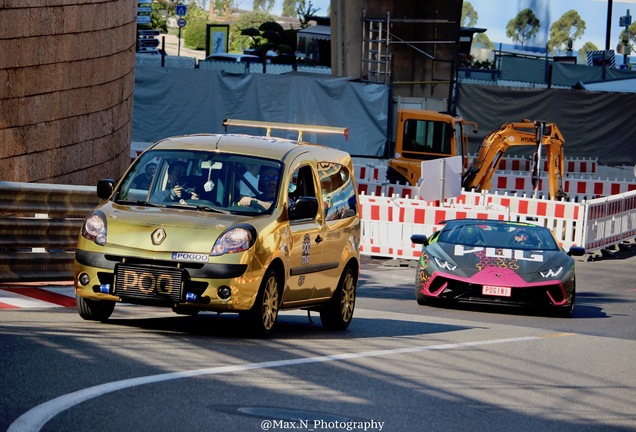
306,250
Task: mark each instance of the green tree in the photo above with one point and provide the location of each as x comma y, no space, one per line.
264,5
289,7
194,32
162,10
221,8
589,46
483,41
469,15
523,27
305,12
569,27
632,36
249,20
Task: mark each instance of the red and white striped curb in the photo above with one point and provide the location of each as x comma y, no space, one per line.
28,296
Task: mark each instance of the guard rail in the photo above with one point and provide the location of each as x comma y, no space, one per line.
39,225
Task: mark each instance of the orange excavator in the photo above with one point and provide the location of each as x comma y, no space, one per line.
479,174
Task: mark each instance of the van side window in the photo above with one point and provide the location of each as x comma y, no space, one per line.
302,184
338,192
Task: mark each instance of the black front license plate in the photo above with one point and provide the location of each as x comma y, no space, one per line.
148,282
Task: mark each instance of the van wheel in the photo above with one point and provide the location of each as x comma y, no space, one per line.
94,310
337,313
260,320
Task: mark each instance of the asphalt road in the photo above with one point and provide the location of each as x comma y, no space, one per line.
399,366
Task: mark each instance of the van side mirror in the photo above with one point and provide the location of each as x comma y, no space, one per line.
105,188
304,208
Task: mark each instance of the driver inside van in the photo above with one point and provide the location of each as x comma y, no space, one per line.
267,184
175,188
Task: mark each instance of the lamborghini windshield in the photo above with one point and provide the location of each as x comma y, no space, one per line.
497,234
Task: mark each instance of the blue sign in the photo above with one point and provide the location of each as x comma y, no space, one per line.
181,10
143,19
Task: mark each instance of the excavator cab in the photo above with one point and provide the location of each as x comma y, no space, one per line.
424,135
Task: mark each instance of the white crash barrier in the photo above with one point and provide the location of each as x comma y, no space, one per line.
389,222
610,220
583,220
577,186
374,170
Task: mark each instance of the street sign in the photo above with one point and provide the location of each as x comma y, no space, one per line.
149,32
181,10
143,19
144,9
181,22
148,43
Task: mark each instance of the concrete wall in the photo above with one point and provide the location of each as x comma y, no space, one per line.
66,89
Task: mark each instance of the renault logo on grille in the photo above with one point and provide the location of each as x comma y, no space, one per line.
158,236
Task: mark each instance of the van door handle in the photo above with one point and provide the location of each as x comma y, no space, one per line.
318,239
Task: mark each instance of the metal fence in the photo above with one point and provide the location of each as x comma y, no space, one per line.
39,225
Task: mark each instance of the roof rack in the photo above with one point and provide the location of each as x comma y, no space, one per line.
268,126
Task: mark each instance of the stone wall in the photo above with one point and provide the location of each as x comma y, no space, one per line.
66,89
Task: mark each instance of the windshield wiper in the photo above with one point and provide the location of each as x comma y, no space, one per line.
212,209
198,207
140,202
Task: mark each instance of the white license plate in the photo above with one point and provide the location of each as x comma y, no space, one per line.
496,291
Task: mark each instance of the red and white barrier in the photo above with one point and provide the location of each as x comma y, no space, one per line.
523,163
388,223
395,213
610,220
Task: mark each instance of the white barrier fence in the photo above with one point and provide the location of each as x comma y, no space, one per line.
610,220
389,222
600,213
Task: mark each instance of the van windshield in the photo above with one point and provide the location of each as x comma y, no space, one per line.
200,180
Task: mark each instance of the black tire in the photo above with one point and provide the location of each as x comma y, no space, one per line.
420,298
567,311
260,320
94,310
337,313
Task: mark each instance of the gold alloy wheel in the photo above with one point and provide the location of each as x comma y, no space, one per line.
348,300
270,303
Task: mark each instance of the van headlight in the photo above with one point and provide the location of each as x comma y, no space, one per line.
237,239
94,228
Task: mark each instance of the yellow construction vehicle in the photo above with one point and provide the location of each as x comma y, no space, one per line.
424,135
526,133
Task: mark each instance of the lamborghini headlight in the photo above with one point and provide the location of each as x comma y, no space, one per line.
444,265
551,273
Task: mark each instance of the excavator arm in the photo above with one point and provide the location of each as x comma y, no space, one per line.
479,174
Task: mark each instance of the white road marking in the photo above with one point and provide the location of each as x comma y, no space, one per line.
34,419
